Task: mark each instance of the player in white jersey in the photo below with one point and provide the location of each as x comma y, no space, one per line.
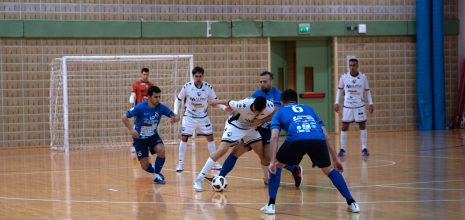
241,125
195,95
355,87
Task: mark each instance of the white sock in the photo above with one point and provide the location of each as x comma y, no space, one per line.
343,139
182,151
207,167
211,147
363,138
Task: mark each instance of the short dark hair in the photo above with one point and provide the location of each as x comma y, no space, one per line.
153,89
267,73
353,60
198,69
259,103
289,95
145,69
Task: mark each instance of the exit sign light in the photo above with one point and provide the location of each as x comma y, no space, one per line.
304,28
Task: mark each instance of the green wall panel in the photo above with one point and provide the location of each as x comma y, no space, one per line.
379,28
221,29
451,27
204,29
290,28
164,29
243,28
82,29
185,29
11,28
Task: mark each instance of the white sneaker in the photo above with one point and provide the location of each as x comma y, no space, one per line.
268,209
353,208
179,167
133,149
198,184
217,166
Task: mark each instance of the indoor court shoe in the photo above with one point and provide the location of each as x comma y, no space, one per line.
353,208
179,168
365,153
198,185
158,178
210,179
342,153
217,166
268,209
297,174
133,149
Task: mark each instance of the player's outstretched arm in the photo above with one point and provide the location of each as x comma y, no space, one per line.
177,103
175,118
132,99
215,102
129,126
274,148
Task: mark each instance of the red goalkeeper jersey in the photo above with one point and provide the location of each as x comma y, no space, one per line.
140,88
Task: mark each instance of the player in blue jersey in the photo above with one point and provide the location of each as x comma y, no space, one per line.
306,135
148,114
274,95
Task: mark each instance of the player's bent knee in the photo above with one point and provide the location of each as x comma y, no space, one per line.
326,170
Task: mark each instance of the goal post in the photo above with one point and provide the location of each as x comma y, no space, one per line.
88,95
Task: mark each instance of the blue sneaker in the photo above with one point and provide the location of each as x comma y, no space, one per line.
365,153
342,153
158,178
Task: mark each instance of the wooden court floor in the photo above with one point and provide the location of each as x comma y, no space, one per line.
409,175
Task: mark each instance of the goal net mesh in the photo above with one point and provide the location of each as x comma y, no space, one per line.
89,94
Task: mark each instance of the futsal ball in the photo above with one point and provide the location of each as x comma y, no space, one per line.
219,183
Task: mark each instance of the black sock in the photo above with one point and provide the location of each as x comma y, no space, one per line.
272,201
350,201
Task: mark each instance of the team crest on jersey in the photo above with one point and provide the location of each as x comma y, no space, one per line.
155,115
198,93
354,81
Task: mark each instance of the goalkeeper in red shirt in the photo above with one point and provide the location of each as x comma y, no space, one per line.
139,92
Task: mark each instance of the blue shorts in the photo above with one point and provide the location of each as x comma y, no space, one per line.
143,146
291,153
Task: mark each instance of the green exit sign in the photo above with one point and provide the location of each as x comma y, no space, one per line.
304,28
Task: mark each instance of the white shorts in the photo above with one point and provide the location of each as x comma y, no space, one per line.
202,126
354,115
233,135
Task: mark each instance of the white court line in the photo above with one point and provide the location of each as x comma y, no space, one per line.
419,188
229,203
390,163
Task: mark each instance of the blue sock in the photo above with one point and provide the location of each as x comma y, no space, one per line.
228,165
340,184
150,169
159,164
273,185
289,167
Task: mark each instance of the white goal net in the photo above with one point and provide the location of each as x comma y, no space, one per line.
89,94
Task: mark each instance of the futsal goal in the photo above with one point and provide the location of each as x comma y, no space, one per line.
89,94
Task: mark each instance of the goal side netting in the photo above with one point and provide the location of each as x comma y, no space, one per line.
89,94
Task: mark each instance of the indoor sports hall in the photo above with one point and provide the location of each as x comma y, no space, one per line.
67,70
